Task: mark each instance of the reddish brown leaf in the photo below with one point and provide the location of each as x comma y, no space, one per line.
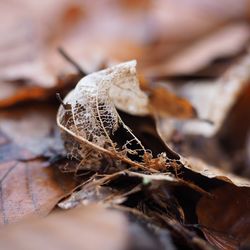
30,189
163,103
15,92
225,219
29,184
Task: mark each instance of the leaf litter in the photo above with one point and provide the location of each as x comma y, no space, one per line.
28,145
90,121
144,146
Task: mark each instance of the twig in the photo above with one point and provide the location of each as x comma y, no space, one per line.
58,97
67,57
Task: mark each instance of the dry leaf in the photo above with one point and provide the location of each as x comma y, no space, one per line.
213,100
84,228
228,40
89,119
225,218
30,189
30,185
208,171
163,103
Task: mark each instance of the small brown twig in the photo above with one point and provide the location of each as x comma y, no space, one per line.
58,97
68,58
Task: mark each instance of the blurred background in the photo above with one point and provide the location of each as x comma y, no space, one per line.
156,33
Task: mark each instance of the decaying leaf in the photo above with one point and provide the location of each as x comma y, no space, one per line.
89,118
118,130
225,219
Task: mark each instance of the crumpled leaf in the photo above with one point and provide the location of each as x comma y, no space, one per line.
30,184
89,121
89,118
224,219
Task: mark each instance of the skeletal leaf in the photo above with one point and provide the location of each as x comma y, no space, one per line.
89,119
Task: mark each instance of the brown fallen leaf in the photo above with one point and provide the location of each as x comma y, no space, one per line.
225,218
162,103
213,100
228,40
30,189
87,228
16,92
200,167
235,127
30,184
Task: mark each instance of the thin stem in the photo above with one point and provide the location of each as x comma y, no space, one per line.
58,97
68,58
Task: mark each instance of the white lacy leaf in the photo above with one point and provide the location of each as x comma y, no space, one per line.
91,119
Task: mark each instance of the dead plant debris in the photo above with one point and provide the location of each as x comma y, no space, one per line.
125,118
